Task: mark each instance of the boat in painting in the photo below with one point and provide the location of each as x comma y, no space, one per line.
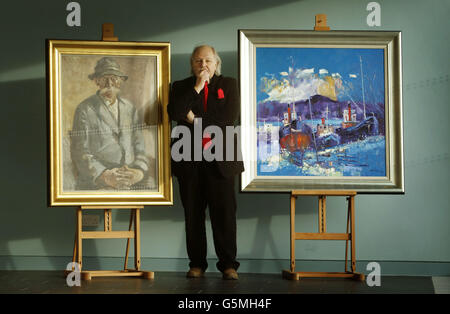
294,136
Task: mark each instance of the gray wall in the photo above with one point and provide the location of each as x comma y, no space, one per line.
408,234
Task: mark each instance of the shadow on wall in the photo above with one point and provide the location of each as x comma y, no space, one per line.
133,20
27,225
30,228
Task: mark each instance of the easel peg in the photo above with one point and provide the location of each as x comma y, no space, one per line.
321,23
108,32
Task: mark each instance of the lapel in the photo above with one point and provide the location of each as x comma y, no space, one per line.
125,115
106,116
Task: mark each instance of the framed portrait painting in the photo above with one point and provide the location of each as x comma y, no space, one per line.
108,126
321,110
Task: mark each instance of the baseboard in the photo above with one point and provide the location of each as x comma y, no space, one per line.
275,266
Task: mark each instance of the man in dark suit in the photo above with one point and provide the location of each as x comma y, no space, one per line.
207,100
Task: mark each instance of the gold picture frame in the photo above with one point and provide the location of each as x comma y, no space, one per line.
108,128
293,82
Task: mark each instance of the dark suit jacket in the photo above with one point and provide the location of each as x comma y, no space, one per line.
223,110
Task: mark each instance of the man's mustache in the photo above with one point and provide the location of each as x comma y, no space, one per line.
109,91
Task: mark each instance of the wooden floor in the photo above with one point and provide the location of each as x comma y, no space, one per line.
54,282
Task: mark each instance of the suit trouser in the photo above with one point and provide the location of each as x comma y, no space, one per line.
207,187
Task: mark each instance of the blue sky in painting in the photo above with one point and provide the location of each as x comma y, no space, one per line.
271,62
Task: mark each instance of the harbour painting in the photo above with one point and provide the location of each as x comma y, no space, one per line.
320,112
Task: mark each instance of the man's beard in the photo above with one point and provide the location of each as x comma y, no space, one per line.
109,93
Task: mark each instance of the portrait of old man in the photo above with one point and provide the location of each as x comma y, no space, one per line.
110,140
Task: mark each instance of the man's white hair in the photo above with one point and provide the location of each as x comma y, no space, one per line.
216,55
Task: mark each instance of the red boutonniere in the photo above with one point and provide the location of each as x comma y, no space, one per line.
206,141
220,94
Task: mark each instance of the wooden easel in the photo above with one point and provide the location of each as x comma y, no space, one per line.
108,233
321,25
324,235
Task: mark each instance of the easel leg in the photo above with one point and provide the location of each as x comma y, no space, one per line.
352,214
108,220
128,240
137,239
293,198
322,214
79,246
348,224
75,248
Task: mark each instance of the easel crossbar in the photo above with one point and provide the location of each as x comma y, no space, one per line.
323,192
297,275
107,235
321,236
116,273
